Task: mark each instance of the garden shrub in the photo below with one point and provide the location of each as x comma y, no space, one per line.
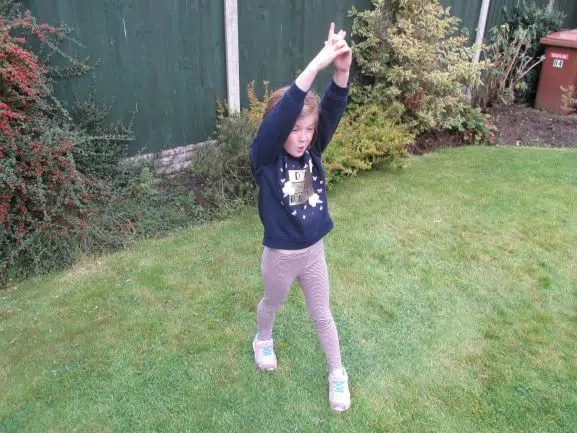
510,64
516,55
63,191
98,156
150,207
409,52
474,126
223,167
134,202
539,22
44,198
367,136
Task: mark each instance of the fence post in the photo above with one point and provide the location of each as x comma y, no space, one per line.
481,28
232,56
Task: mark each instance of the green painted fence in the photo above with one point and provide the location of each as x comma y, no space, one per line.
162,60
165,60
570,8
468,11
276,42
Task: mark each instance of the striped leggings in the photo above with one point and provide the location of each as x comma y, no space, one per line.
308,266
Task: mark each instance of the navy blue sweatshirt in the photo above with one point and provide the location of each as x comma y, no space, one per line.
292,201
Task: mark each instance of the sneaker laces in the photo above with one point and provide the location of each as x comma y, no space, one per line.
267,350
339,385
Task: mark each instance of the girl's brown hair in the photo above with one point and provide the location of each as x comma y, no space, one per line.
311,105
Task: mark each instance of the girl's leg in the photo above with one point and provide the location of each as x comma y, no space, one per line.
278,273
315,283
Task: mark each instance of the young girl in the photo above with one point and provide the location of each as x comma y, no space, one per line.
286,162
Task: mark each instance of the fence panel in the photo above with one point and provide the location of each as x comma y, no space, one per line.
495,17
468,12
570,8
277,39
163,60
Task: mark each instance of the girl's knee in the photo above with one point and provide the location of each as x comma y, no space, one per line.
322,320
270,306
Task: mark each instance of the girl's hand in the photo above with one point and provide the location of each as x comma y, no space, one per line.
336,52
342,62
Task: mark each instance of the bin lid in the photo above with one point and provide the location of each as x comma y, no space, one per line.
566,38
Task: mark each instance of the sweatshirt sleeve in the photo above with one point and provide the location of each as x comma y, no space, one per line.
333,106
276,126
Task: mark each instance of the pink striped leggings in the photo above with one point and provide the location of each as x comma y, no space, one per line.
279,269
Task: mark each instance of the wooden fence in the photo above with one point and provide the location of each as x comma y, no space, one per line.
166,61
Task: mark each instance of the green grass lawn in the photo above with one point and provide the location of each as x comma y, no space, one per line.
454,289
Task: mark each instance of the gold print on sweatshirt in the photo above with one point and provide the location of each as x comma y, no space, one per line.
302,182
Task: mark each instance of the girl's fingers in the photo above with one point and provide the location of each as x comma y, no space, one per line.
338,50
340,44
331,31
341,35
336,41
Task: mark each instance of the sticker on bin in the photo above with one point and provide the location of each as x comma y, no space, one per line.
562,56
557,63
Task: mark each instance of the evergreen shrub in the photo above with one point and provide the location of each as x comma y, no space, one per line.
411,52
367,136
538,22
223,167
474,126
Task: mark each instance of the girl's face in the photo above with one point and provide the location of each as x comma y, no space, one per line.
301,135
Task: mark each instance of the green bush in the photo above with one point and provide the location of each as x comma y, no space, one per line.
539,22
134,201
474,126
153,207
367,136
63,191
510,65
223,167
106,145
516,55
409,52
44,198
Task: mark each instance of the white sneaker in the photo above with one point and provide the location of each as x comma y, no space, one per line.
264,353
339,394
